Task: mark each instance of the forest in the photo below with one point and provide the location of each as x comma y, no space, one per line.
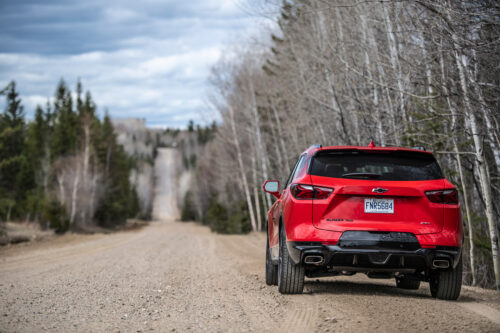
400,73
64,169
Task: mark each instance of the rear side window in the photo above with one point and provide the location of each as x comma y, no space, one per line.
384,165
300,165
296,169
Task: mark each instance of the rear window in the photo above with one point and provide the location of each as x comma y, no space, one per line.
383,165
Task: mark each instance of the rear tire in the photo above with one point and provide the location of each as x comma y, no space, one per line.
404,282
290,276
446,284
271,269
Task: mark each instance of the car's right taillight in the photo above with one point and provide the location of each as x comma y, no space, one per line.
449,197
302,191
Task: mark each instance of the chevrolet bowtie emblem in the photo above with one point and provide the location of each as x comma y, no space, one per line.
379,190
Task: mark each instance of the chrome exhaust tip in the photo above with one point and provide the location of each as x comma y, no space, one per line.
440,263
314,260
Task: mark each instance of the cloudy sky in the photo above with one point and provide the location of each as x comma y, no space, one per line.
147,58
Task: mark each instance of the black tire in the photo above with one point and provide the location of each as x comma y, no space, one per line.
404,282
271,269
446,284
290,276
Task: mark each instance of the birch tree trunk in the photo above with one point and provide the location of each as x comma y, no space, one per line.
76,183
86,159
378,116
483,173
395,64
280,138
492,140
346,77
454,130
383,78
243,175
256,194
60,182
337,110
261,151
277,151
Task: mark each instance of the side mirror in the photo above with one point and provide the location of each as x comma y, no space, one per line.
273,187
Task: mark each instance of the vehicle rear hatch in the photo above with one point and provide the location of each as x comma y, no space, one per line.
377,191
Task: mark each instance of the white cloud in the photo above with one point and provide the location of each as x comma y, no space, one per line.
147,60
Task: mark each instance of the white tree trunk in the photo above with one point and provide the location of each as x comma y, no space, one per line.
454,130
243,175
256,194
9,211
483,173
378,115
428,71
74,194
337,112
261,150
60,182
492,140
395,64
281,140
277,151
85,173
354,112
383,78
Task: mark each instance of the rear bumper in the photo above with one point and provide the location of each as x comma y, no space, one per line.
373,258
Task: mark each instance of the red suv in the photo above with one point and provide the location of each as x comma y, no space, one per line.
383,211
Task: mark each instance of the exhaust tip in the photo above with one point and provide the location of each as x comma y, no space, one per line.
440,263
314,260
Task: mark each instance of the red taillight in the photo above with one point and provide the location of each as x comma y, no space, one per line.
322,192
449,197
301,191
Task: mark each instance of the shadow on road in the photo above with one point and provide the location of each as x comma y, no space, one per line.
372,288
362,288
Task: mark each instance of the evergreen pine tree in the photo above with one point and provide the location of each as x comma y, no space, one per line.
65,137
119,200
12,161
37,137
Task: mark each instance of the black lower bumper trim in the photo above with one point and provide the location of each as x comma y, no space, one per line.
374,257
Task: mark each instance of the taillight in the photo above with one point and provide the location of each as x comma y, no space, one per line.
449,197
322,192
301,191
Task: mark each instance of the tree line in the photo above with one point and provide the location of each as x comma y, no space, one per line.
64,169
403,73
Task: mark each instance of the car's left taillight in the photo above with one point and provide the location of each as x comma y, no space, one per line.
449,196
302,191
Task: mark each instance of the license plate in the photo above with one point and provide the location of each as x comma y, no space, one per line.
385,206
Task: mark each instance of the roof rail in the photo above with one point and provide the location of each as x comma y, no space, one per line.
316,146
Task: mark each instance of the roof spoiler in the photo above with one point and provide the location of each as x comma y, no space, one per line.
316,146
418,148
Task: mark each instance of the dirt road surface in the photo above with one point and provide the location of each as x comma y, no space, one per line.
165,199
180,276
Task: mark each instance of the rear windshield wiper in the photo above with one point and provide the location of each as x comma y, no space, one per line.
362,175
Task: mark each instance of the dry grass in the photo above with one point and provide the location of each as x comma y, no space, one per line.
19,232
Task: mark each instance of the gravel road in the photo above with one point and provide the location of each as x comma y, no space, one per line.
180,276
165,198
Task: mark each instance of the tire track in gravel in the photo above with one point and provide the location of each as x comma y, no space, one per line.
56,256
302,315
483,310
